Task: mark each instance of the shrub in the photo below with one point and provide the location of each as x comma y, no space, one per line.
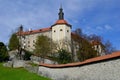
27,55
64,57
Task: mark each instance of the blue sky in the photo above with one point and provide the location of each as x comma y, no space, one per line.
101,17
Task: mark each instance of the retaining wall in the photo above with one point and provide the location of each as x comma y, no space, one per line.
101,68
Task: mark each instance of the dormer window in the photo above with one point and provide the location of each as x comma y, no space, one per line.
60,29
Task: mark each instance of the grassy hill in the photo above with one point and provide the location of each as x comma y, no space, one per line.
18,74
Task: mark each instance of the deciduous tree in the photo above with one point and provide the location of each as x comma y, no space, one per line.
109,48
43,46
82,47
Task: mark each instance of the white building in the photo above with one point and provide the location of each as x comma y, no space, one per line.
99,47
60,31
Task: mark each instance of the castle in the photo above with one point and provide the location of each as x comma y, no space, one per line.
59,31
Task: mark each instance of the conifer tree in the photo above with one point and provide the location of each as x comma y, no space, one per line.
3,52
13,42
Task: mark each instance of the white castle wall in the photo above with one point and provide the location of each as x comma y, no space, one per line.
28,41
60,32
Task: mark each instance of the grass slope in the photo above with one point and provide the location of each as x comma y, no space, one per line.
18,74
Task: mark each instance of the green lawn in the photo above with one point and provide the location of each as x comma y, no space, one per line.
18,74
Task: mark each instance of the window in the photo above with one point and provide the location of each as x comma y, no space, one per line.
24,47
60,29
97,46
54,31
67,30
28,41
28,45
33,41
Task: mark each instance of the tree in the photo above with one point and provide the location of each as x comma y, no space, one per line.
109,48
83,48
27,54
64,57
3,52
85,51
78,31
43,46
94,37
13,42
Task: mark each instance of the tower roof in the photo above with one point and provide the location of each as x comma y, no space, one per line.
61,22
61,18
61,14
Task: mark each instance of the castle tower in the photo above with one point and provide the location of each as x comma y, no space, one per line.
61,30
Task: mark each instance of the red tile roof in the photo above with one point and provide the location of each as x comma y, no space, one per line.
95,42
61,22
34,31
96,59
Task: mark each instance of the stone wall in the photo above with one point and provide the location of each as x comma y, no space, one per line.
38,60
30,68
102,70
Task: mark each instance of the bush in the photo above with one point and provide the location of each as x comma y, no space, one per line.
64,57
27,55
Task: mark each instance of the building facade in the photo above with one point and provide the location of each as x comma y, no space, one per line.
98,47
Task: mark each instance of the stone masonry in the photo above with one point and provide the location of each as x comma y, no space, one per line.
103,70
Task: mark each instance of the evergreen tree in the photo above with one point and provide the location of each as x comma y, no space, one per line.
3,52
13,42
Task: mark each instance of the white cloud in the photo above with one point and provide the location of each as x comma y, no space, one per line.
99,28
108,27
